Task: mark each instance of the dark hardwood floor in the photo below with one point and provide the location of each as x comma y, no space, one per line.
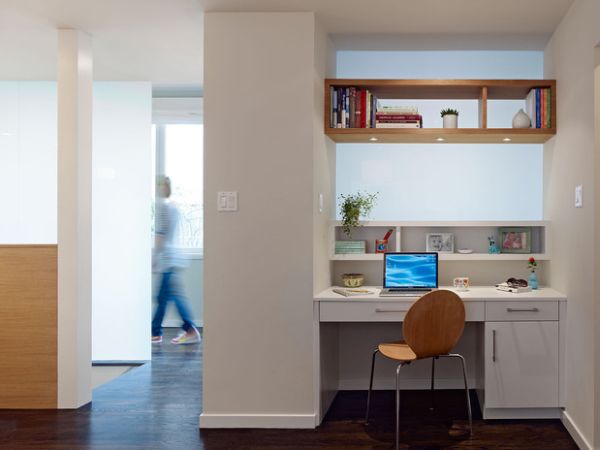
156,406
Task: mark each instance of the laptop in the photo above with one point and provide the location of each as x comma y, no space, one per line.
409,274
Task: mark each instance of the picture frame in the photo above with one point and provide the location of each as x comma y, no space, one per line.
439,242
515,239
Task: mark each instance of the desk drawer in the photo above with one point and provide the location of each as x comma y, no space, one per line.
357,311
363,311
521,311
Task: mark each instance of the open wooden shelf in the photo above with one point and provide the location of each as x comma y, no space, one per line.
441,135
481,90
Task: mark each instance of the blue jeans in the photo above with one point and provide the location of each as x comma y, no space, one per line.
171,289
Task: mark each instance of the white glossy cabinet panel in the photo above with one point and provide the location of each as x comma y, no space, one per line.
521,364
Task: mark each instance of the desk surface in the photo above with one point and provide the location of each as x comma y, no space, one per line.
475,293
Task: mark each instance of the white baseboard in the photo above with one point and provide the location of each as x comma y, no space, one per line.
521,413
575,432
304,421
361,384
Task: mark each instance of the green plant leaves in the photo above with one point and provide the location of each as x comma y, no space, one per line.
353,207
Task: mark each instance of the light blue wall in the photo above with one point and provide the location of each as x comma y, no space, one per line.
446,181
363,64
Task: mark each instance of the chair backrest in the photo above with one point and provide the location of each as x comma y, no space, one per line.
434,323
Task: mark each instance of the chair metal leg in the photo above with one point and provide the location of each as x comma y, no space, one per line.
370,387
464,367
432,383
398,405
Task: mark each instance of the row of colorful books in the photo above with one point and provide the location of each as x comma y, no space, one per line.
352,107
538,104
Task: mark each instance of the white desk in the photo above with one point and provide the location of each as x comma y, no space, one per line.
518,364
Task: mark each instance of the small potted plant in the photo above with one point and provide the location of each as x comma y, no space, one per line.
450,117
353,207
532,265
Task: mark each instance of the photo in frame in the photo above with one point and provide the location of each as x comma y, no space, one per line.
439,242
515,240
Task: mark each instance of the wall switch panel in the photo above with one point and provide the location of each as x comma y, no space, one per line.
578,196
227,201
321,203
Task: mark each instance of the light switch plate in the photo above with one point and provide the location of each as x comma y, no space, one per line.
227,201
321,202
578,196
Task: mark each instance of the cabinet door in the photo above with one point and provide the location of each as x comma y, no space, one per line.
521,364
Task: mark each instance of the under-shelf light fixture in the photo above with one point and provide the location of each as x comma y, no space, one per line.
507,139
373,139
440,139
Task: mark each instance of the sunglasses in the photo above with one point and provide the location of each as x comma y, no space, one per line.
516,282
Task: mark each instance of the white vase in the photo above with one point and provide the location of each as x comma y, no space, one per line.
450,121
521,120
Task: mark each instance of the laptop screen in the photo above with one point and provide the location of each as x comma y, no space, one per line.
410,270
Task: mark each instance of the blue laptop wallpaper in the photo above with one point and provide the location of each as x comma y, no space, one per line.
410,270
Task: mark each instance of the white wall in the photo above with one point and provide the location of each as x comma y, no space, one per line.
121,222
569,161
122,188
28,145
258,306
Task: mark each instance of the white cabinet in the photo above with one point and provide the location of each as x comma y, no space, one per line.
521,364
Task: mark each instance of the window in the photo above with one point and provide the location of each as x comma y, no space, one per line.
180,157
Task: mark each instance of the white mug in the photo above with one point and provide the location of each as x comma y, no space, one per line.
461,283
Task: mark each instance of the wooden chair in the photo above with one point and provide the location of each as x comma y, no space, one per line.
432,327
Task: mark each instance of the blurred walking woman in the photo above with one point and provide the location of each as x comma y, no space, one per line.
169,263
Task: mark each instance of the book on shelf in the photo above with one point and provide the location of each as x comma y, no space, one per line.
397,125
538,106
386,116
386,109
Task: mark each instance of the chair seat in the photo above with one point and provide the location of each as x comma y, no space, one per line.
399,351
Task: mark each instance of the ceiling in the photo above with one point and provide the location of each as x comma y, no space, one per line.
161,40
154,40
417,16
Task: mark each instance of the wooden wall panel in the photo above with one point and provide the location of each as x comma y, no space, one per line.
28,326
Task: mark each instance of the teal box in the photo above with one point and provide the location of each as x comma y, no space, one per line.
353,247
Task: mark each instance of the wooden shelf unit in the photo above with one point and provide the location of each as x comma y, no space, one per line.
481,90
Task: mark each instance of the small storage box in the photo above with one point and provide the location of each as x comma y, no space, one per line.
345,247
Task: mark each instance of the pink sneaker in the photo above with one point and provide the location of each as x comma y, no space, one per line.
156,339
187,337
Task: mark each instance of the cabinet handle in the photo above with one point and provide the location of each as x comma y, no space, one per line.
493,345
522,310
382,310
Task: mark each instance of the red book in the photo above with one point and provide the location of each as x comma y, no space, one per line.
379,120
543,108
398,116
357,115
363,109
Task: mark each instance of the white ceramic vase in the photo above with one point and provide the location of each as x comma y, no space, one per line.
450,121
521,120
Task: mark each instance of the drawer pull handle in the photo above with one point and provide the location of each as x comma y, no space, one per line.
381,310
493,345
522,310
